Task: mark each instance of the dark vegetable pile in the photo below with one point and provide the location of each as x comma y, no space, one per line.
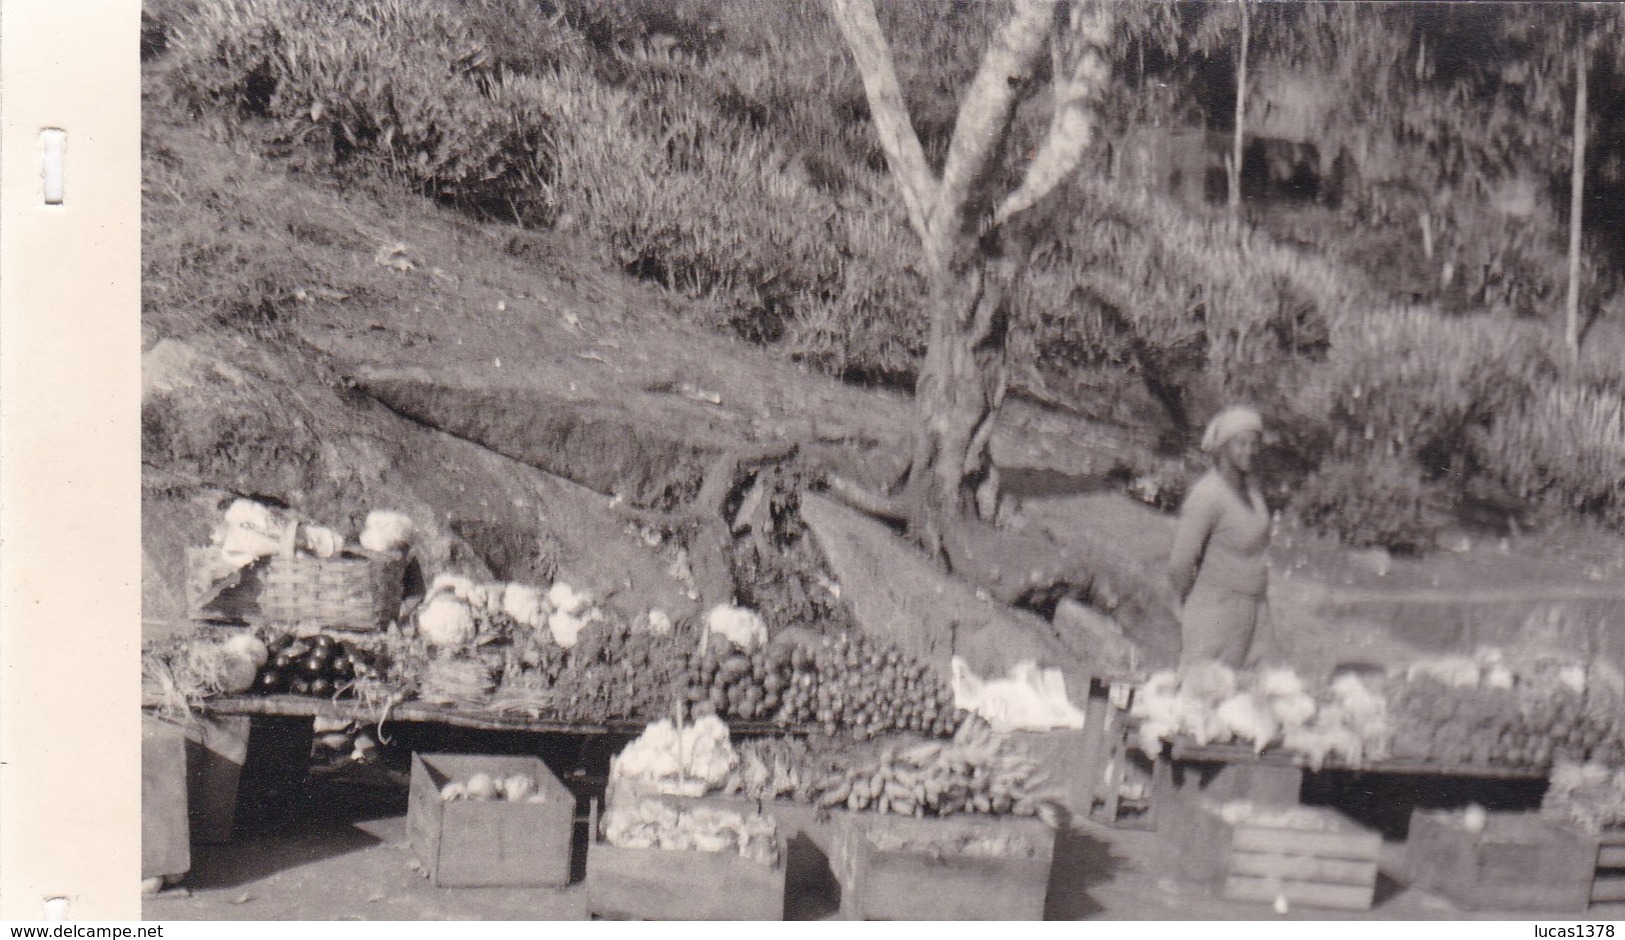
321,665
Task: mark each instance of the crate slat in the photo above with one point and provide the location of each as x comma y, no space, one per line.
1611,856
1355,845
1608,888
1313,893
1304,867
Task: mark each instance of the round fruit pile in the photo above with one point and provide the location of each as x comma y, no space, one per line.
848,682
320,665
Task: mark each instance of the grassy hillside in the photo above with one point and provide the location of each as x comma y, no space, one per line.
721,152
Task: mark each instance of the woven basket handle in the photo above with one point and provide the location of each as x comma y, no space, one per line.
290,539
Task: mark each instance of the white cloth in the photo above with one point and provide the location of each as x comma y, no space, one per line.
1237,419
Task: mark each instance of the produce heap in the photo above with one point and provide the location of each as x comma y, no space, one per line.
1489,711
555,651
849,682
653,824
974,773
321,665
1211,704
484,787
1480,710
689,761
1591,796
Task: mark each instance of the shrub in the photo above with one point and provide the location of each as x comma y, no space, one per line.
1380,500
1414,383
1198,306
388,86
1564,445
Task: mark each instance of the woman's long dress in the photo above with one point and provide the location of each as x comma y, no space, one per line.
1223,538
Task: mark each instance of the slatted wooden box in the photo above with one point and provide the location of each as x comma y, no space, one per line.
882,883
479,843
668,884
1518,862
1331,864
1608,881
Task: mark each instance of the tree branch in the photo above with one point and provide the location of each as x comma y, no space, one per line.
861,29
1081,71
985,112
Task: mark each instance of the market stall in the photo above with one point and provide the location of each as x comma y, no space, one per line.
297,629
1237,747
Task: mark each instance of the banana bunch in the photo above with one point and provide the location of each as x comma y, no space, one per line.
973,773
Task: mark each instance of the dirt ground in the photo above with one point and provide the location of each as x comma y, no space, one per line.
352,862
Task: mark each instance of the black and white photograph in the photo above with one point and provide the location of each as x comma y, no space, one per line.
756,460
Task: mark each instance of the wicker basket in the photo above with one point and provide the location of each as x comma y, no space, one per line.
348,592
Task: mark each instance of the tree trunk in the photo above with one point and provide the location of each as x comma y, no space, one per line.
961,386
1571,332
1241,116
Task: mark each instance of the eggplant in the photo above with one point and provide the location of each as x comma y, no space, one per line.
283,661
321,687
313,667
268,682
299,685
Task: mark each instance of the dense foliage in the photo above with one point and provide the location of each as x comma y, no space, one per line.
723,150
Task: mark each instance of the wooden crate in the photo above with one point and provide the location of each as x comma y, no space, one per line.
477,843
881,884
1519,862
1334,867
216,748
1608,880
666,884
166,847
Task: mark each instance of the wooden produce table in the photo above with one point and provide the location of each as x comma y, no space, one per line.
275,735
305,706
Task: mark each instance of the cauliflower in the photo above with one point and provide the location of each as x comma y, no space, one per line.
1293,710
1246,717
565,628
386,531
1211,683
320,541
659,622
1280,682
487,597
1498,677
446,622
453,584
248,514
524,604
692,761
567,599
1151,736
743,628
1158,697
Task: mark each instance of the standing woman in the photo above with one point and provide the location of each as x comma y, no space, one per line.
1218,565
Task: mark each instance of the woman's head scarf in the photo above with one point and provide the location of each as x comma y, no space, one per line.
1237,419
